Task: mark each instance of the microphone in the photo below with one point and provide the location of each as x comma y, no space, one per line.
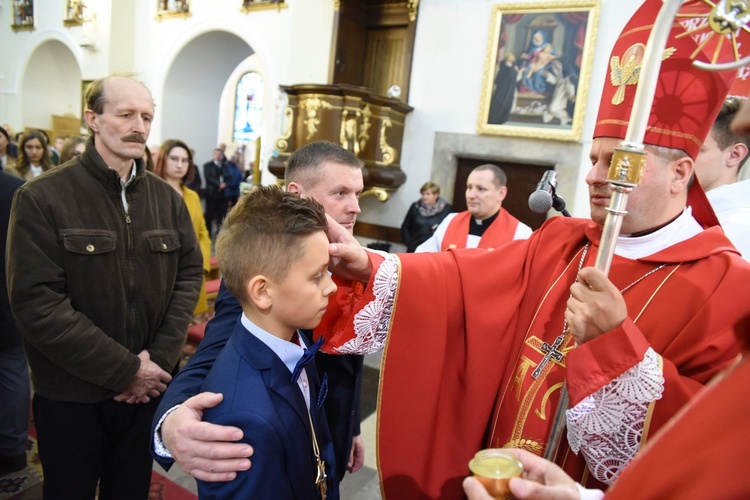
542,199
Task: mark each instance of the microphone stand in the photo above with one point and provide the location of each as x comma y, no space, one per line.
559,204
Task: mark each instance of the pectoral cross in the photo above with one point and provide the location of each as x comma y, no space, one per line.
550,352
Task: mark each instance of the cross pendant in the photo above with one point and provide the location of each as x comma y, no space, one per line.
550,352
320,480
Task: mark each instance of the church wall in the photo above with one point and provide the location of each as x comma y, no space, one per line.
55,56
446,84
293,46
59,99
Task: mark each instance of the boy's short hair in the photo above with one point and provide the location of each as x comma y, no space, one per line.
261,235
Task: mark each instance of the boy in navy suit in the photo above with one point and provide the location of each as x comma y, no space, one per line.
273,255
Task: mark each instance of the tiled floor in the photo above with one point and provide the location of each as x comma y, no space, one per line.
363,484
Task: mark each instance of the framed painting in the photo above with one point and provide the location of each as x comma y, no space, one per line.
172,8
84,87
248,5
23,15
537,69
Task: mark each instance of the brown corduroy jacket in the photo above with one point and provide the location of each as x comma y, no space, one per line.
90,285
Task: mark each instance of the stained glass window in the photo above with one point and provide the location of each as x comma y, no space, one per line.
248,107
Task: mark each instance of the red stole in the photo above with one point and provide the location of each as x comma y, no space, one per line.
502,230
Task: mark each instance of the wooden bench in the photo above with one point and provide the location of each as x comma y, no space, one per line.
194,336
214,273
196,332
212,289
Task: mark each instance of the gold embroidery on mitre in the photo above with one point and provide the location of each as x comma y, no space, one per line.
656,130
524,444
628,73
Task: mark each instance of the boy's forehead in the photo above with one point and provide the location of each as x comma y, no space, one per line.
316,250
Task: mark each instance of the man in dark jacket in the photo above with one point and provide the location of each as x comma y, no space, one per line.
217,176
14,370
104,270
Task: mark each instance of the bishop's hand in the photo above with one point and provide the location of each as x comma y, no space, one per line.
348,259
595,306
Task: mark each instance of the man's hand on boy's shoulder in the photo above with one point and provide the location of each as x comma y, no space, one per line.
206,451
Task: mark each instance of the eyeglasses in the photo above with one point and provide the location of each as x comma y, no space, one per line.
178,160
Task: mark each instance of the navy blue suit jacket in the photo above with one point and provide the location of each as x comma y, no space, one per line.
344,380
261,399
10,335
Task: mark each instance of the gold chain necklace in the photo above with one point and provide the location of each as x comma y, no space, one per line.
553,351
321,476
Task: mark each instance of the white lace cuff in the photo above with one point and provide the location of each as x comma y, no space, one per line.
372,322
159,447
607,425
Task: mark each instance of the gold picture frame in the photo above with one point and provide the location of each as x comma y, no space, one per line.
172,8
23,15
537,69
73,13
84,88
250,5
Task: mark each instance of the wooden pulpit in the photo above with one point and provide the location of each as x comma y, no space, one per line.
369,125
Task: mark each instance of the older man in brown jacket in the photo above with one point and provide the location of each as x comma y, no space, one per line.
104,270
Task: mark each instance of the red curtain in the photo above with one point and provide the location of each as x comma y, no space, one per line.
507,19
577,19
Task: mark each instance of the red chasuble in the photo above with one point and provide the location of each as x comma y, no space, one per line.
457,369
502,230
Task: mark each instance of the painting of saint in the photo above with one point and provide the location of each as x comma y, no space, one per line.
23,13
173,5
532,82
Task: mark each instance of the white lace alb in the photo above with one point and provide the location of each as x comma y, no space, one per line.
372,322
607,425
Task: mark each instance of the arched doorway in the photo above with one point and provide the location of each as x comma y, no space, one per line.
193,89
51,85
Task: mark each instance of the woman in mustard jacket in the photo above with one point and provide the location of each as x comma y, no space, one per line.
175,165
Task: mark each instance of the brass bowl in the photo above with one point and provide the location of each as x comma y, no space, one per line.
494,467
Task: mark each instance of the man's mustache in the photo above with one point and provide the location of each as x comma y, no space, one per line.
134,138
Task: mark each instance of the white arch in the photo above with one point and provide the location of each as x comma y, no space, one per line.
39,38
208,25
260,60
